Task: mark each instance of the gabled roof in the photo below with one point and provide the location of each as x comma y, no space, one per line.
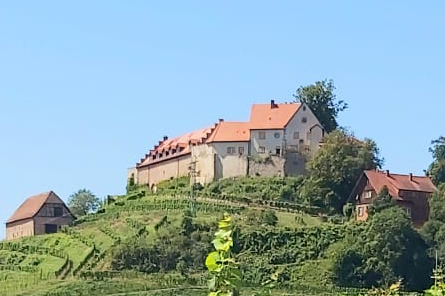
396,182
196,137
30,207
230,132
272,116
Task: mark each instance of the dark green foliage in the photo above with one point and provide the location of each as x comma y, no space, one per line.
433,231
346,261
320,97
139,255
381,202
388,249
336,167
83,202
269,217
174,248
437,205
187,223
436,170
253,188
348,210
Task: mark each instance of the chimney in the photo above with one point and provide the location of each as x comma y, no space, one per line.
411,177
387,173
272,104
221,120
165,138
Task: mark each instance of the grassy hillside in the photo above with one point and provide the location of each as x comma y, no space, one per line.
142,244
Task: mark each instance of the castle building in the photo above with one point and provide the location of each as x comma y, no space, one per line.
275,141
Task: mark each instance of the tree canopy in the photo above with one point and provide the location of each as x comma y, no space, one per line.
381,202
387,250
336,167
433,231
83,202
320,97
436,170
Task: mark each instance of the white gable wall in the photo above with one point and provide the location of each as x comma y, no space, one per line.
306,137
274,138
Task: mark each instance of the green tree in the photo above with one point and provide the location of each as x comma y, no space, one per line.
83,202
336,167
436,170
433,231
437,204
381,202
387,250
320,97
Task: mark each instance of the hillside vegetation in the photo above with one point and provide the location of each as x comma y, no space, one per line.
143,242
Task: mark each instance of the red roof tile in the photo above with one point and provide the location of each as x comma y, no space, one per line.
196,137
230,132
263,116
30,207
396,182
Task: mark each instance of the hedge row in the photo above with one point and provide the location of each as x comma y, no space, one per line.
27,249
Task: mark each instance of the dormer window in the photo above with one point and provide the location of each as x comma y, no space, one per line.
367,194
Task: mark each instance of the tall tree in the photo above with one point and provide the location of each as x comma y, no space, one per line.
83,202
320,97
436,170
336,167
388,249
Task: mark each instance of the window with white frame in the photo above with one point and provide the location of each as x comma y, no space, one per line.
241,150
296,135
261,149
367,194
230,150
262,135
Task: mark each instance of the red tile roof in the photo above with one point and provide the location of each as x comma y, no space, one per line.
263,116
396,182
231,132
196,137
30,207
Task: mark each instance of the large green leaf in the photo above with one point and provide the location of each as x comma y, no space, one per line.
223,233
222,245
226,222
213,262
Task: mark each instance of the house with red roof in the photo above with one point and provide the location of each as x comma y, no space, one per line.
410,192
38,214
225,149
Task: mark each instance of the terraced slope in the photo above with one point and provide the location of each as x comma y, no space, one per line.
81,260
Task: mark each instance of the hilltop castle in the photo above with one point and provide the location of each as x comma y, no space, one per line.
274,141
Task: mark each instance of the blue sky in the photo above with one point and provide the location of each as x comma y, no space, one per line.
87,87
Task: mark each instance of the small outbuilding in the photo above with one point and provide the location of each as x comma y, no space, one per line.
39,214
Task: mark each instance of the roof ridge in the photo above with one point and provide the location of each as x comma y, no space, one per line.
397,174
